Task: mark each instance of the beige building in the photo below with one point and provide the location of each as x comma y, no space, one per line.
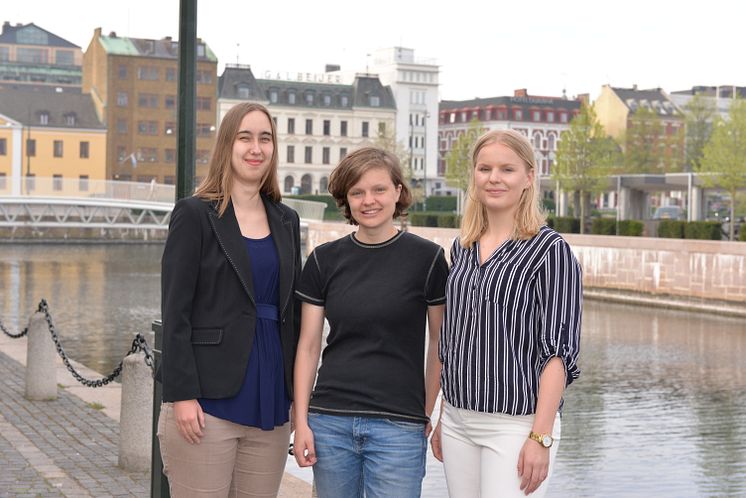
52,137
30,55
133,83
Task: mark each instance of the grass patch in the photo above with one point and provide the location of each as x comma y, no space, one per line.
95,405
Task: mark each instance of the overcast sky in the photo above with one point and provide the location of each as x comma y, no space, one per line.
484,48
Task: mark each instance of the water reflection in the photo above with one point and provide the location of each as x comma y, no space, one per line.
658,411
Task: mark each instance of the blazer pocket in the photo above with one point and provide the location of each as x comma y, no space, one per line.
207,336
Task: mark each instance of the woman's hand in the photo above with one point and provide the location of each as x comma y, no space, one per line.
190,420
435,443
533,466
303,449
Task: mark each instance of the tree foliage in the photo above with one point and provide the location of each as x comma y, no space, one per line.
642,151
586,156
724,156
699,114
458,159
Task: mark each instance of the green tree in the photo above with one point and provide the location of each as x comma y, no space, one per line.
586,156
642,149
458,159
699,114
724,158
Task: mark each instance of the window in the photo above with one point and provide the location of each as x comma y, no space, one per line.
289,182
44,118
201,50
324,184
30,182
169,155
327,99
147,154
308,154
502,114
452,118
374,101
169,102
342,152
536,115
291,126
327,127
84,150
147,100
550,116
57,182
169,127
71,119
344,100
204,77
273,96
243,91
563,117
204,129
343,128
121,154
325,155
291,97
169,179
57,146
381,128
4,54
147,73
309,98
31,55
83,183
122,70
291,154
518,114
147,127
203,156
204,103
309,126
122,99
551,142
170,74
3,146
366,125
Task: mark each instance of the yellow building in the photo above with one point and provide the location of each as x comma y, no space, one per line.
53,138
133,83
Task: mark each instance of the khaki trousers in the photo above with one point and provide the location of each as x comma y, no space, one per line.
231,460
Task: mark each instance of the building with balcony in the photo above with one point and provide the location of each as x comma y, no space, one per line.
133,83
50,133
541,119
318,119
30,55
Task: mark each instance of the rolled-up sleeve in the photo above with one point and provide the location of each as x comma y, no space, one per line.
560,289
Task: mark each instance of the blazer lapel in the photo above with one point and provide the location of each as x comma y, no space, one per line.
280,227
231,242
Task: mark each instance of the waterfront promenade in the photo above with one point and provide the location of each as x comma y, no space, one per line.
68,447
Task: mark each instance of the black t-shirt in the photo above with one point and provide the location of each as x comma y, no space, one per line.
375,297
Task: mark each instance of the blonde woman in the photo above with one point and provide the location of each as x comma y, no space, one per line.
511,331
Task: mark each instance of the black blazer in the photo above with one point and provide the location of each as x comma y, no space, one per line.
207,299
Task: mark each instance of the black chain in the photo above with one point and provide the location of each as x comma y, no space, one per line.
138,344
22,332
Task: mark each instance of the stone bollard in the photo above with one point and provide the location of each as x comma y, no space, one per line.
41,356
136,415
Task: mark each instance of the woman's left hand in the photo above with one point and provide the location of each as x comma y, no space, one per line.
533,466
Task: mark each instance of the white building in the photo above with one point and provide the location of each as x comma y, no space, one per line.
319,119
414,83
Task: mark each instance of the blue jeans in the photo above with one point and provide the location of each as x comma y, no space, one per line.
364,456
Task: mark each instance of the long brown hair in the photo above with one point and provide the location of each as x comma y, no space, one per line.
529,216
217,184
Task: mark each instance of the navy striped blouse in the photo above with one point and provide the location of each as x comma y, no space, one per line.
505,319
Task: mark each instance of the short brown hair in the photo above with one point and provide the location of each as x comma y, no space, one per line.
355,164
217,184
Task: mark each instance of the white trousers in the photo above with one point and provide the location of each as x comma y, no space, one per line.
480,453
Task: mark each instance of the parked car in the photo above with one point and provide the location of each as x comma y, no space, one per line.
670,213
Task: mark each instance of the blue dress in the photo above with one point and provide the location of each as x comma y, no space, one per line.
263,400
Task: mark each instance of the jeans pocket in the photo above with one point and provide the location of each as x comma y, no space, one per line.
408,426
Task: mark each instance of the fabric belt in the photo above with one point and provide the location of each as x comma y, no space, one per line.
268,312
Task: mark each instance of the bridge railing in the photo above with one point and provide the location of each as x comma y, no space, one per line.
32,186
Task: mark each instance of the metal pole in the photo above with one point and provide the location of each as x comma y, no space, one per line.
186,114
158,482
424,161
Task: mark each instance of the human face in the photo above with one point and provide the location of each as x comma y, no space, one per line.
252,149
373,199
500,177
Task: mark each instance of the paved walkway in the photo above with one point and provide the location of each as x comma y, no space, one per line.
66,447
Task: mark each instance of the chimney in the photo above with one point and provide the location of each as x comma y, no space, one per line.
521,92
97,33
167,38
634,87
6,25
332,67
584,98
113,34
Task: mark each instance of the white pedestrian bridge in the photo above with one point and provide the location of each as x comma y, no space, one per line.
73,203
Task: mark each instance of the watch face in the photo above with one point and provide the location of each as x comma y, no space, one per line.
547,441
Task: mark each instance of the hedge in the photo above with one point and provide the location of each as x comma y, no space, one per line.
630,228
742,233
564,224
442,203
603,226
434,219
671,229
705,230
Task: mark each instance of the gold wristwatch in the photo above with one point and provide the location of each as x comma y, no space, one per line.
543,439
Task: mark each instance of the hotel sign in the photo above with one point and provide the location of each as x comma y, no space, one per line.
303,77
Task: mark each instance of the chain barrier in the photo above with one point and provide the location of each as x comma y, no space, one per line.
138,344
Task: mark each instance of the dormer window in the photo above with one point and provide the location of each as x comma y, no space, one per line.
344,100
309,98
44,118
243,91
71,119
374,100
273,95
291,97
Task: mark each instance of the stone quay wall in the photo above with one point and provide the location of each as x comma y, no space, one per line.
699,270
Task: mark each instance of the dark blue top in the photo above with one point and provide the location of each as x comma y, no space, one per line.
263,400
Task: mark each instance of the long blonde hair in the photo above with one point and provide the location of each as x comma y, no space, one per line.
529,216
217,184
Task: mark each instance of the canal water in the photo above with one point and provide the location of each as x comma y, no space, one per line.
659,409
